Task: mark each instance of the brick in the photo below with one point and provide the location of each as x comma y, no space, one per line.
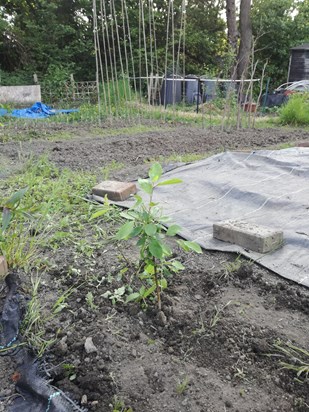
117,191
260,239
3,267
303,144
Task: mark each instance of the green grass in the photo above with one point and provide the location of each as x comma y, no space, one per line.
58,213
33,326
293,358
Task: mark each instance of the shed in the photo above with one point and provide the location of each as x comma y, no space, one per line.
299,64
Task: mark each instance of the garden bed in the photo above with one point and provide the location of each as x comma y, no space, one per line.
227,321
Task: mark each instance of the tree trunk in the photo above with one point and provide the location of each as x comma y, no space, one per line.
245,45
232,32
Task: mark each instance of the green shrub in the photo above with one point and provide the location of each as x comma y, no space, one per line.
296,111
16,78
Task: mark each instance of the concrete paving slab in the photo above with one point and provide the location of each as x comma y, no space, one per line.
258,238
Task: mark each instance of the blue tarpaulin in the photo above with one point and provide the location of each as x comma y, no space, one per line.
37,111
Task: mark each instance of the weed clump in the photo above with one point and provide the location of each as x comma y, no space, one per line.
296,111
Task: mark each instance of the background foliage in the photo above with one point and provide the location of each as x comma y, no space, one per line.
56,36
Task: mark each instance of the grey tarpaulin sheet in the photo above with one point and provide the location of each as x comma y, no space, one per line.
269,188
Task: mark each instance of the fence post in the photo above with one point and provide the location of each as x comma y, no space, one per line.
73,86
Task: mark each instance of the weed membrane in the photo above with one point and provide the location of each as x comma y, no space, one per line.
37,395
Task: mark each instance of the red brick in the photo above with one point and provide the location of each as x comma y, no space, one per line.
117,191
3,267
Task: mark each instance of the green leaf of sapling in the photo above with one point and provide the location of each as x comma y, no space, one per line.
169,182
163,283
146,186
150,269
149,291
139,200
173,230
136,231
187,246
155,249
166,249
125,231
150,229
133,296
130,215
177,265
155,172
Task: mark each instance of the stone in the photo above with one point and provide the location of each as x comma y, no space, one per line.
90,346
3,267
161,318
257,238
84,400
62,345
117,191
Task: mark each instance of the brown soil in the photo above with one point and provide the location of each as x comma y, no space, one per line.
221,319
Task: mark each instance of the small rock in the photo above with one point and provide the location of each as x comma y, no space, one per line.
89,346
134,353
84,400
170,350
197,297
100,364
62,345
6,392
161,318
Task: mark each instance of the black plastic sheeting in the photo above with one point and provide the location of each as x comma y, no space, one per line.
10,315
37,395
275,100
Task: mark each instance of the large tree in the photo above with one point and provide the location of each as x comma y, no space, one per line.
245,45
239,39
275,30
232,32
47,32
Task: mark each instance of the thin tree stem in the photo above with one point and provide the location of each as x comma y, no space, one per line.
158,290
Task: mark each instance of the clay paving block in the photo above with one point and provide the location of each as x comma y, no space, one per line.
117,191
3,267
260,239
